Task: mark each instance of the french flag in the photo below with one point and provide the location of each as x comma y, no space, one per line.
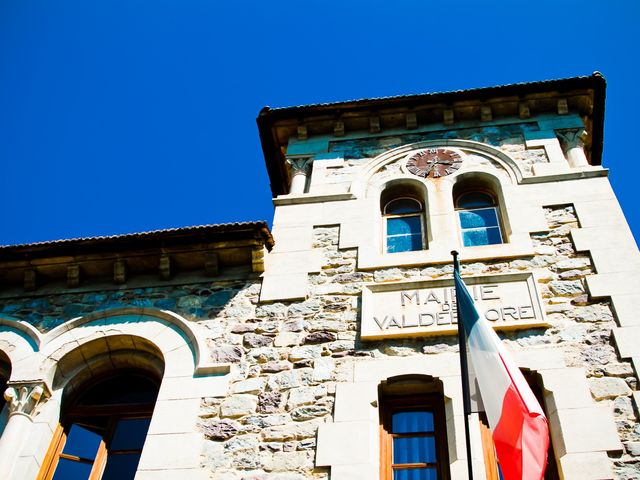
520,431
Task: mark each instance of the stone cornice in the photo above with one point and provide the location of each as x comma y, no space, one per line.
198,251
581,95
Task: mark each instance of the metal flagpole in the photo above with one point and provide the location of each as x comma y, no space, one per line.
464,372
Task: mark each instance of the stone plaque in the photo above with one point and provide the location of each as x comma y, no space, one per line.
422,308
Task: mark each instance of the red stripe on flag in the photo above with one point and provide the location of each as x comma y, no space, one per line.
516,428
507,435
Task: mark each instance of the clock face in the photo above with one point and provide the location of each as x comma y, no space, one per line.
434,162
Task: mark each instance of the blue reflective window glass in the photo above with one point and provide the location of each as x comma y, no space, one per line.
130,434
404,234
397,244
72,470
82,443
121,467
480,227
494,236
403,225
404,243
486,217
481,236
402,205
412,422
415,474
475,200
414,450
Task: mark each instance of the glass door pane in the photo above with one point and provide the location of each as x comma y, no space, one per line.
72,470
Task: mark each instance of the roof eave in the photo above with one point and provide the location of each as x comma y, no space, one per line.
268,117
154,239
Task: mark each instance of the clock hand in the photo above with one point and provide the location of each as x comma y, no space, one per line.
428,169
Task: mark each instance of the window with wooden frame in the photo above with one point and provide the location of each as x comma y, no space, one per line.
413,442
102,430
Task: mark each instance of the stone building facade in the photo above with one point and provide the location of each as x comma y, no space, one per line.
285,360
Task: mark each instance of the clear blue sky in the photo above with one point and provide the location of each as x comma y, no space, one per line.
130,115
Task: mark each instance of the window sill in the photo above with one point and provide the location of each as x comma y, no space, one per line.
369,260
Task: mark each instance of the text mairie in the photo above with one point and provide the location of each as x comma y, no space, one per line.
437,307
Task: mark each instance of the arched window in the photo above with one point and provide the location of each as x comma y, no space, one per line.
413,440
5,374
102,429
404,225
479,219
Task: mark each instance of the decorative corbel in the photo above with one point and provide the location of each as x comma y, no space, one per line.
412,120
374,125
24,398
338,129
302,132
257,259
485,114
119,271
73,275
30,279
211,264
523,110
164,267
563,106
448,116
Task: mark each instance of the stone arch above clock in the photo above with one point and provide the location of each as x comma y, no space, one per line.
465,154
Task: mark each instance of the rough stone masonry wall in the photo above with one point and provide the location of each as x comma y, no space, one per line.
280,390
200,303
288,357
